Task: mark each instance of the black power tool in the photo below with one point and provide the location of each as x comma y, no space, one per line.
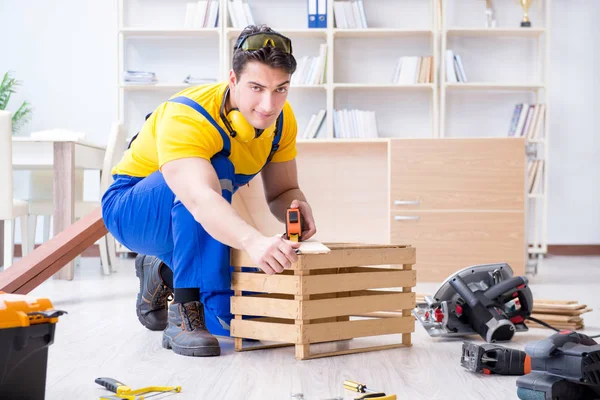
482,299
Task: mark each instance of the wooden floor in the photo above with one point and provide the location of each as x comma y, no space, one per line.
102,337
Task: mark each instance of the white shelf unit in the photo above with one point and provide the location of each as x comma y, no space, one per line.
505,65
360,63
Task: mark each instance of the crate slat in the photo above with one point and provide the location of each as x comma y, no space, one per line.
356,281
268,331
265,307
377,301
358,328
261,282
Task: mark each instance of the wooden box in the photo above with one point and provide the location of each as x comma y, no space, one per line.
319,299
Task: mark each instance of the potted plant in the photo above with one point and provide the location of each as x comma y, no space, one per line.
7,88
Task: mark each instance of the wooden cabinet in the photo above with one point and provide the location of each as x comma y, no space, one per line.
460,202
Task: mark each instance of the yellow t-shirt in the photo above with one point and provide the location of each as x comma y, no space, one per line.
175,131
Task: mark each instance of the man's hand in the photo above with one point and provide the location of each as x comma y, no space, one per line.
309,222
271,254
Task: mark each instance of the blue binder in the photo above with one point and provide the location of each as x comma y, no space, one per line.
321,13
312,13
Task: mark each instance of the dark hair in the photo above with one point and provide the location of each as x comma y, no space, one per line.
271,56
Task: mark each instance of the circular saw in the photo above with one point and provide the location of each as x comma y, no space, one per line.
482,299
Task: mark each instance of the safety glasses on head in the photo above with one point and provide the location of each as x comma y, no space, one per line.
256,41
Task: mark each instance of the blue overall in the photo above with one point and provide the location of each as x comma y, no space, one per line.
144,215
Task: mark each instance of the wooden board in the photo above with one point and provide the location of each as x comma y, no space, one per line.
39,265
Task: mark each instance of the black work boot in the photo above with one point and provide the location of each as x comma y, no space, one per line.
187,334
151,307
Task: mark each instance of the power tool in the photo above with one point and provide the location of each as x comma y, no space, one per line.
565,366
482,299
490,358
294,224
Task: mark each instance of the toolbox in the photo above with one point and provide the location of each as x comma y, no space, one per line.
27,326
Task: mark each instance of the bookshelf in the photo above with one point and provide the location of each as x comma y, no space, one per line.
152,36
505,65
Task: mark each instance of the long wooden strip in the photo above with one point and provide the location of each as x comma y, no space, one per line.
33,269
260,282
382,301
265,307
358,257
356,350
342,257
243,328
359,328
355,281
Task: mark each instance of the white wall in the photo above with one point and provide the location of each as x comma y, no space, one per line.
65,53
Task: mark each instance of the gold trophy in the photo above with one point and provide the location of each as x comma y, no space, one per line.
525,4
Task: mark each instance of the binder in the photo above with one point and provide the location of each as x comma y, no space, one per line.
312,13
321,13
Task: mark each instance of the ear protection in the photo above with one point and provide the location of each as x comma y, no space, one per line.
237,125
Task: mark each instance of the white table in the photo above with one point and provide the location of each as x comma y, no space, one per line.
63,156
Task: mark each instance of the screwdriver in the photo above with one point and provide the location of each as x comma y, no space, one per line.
362,388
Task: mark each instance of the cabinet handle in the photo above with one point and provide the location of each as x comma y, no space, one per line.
405,217
406,202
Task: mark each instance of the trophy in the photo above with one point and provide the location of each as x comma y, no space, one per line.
525,4
490,18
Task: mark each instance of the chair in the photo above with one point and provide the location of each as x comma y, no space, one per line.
40,206
10,209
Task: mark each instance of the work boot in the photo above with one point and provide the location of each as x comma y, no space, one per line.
151,307
187,334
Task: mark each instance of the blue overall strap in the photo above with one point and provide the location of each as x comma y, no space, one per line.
276,138
191,103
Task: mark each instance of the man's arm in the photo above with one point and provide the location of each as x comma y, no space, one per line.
280,182
196,184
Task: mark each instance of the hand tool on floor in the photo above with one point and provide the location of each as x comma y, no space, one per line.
370,394
482,299
564,366
123,391
490,358
294,224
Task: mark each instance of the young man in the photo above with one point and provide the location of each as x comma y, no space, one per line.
171,199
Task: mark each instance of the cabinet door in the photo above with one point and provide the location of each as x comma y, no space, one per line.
458,174
450,241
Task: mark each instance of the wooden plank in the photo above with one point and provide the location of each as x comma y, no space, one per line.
381,301
33,269
355,281
261,282
406,312
354,351
347,255
358,328
357,257
265,307
64,195
243,328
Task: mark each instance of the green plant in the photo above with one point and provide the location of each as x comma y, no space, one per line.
7,88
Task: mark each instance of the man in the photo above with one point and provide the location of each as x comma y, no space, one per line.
171,198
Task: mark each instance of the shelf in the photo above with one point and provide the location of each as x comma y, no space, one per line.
233,33
321,87
535,196
153,87
499,32
344,141
383,32
140,32
368,86
494,86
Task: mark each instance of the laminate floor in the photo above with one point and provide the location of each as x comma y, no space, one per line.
101,336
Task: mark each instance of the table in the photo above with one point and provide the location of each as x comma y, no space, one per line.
63,156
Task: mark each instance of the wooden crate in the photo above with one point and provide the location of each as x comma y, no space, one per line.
315,300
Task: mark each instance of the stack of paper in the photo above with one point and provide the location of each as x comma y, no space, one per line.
141,77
